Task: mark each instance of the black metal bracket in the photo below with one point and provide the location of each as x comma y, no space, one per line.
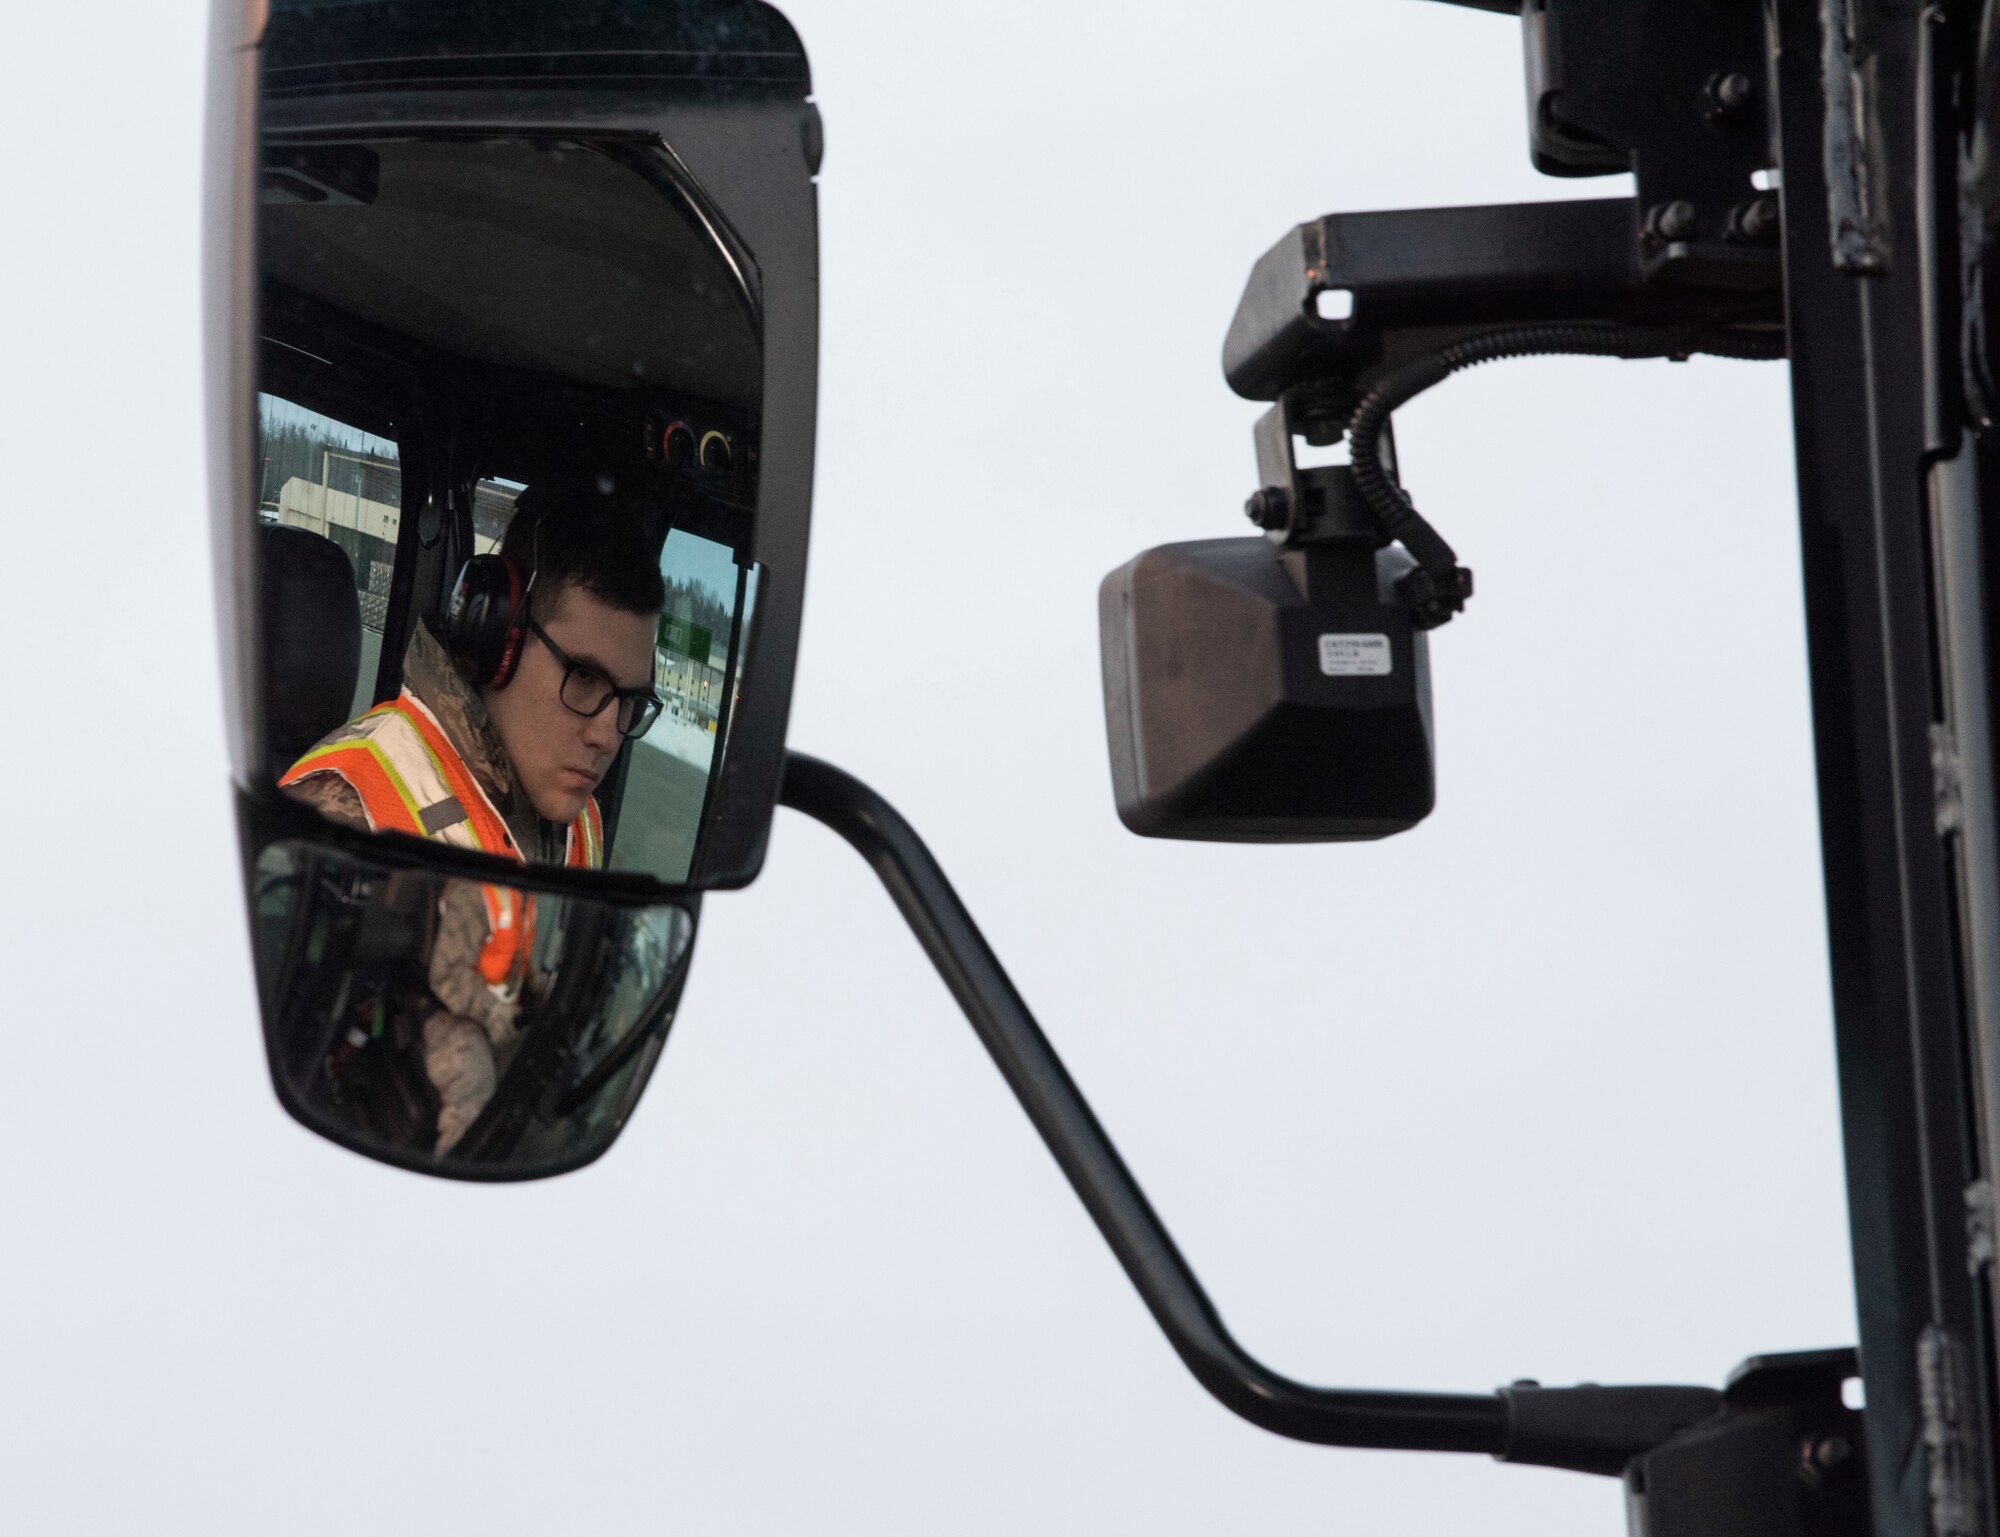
1783,1458
1773,1427
1677,94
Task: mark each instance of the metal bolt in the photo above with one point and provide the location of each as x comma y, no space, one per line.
1671,221
1755,222
1270,507
1731,94
1822,1457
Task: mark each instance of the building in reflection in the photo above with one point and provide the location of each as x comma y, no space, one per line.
689,665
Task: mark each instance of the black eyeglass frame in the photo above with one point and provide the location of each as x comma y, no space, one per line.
572,668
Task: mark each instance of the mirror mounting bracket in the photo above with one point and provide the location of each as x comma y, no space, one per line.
1777,1441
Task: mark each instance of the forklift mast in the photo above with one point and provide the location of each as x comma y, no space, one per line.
1814,181
1821,171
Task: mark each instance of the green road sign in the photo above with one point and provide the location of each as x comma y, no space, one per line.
685,638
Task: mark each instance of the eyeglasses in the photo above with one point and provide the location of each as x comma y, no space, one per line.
586,691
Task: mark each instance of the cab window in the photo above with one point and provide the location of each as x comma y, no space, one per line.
346,485
492,510
672,765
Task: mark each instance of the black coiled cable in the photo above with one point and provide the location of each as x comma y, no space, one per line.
1439,586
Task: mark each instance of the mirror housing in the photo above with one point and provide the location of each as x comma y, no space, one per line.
334,107
1255,694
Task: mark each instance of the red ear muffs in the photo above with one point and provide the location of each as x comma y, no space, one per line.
486,622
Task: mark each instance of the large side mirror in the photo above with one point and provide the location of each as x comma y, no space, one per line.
513,363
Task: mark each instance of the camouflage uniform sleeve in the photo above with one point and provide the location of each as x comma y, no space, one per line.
332,797
453,970
454,964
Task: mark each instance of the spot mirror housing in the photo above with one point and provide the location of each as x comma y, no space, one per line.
1255,694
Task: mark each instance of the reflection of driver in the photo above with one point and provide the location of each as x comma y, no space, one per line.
513,708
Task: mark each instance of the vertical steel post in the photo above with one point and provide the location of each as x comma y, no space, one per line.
1865,382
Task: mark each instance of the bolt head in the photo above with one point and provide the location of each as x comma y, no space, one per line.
1822,1457
1731,94
1755,222
1761,222
1672,221
1269,507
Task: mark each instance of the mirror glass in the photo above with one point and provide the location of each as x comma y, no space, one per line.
458,1027
509,436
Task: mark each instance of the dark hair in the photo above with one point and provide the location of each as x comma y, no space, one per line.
591,532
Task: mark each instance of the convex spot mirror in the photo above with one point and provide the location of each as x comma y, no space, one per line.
385,1033
512,353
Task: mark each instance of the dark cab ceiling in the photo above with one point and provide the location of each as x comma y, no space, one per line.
555,257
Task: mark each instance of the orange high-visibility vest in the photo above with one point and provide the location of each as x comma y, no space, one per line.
411,780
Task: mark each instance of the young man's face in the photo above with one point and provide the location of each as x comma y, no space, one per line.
558,755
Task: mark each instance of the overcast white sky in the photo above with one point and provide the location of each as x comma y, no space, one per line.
691,558
1542,1089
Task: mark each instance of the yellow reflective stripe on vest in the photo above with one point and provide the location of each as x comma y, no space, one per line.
473,803
413,770
586,838
392,764
328,759
510,914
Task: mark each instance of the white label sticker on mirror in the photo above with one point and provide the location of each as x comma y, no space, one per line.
1355,656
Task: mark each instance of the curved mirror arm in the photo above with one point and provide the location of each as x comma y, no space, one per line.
1588,1429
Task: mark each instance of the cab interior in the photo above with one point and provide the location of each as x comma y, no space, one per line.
447,319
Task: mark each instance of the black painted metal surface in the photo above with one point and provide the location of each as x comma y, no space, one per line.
1862,377
1586,1429
1443,1422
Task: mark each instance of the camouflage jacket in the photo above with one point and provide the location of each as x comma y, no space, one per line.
462,933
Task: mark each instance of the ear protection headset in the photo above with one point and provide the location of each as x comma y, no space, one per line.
486,624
